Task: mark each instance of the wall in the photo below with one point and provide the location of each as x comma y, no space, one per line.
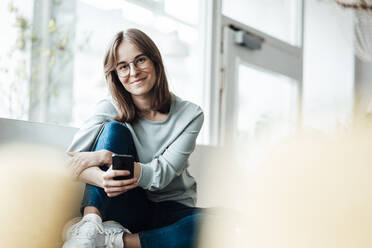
363,87
328,65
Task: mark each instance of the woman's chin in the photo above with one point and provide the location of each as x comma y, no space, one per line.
139,91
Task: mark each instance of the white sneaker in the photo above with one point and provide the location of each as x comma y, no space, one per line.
86,232
114,234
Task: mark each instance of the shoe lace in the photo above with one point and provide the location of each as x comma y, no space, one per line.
90,228
110,235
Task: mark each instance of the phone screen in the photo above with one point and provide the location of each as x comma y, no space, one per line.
123,162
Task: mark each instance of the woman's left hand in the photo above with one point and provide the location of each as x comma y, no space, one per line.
114,187
83,160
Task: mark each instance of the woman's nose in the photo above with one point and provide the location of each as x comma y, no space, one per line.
132,69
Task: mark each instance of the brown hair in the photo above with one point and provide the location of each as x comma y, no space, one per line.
161,99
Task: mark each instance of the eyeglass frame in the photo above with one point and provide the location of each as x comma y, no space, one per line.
133,62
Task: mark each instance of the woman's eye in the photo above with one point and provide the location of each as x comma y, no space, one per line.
141,60
123,67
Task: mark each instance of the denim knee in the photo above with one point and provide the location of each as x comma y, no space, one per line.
115,128
116,138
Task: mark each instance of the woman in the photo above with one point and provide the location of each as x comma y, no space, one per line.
159,129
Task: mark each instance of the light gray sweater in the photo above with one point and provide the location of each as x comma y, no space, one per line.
163,148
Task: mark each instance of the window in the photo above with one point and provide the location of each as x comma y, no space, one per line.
58,75
278,18
176,34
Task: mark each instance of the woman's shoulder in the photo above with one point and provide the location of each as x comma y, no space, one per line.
187,112
181,105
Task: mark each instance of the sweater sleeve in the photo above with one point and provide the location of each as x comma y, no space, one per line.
159,172
86,136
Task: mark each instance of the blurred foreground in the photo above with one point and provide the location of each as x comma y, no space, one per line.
313,190
37,196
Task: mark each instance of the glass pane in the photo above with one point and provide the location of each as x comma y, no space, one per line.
187,11
15,26
178,39
278,18
52,56
267,108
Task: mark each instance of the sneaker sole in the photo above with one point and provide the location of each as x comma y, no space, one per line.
115,224
111,223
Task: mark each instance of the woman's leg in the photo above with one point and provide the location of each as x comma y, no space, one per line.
184,233
129,209
172,226
181,234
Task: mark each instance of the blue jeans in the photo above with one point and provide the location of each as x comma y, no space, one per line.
158,224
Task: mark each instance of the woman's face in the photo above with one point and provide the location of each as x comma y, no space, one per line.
141,75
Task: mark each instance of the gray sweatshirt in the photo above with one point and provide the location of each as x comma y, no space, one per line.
163,148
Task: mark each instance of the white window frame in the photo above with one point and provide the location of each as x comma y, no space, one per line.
219,94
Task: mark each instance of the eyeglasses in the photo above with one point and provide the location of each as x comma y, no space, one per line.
141,62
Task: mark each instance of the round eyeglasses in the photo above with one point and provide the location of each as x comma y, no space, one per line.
141,62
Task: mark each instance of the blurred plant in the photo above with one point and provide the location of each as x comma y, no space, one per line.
356,4
14,67
25,81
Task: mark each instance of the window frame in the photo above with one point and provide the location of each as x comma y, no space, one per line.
217,88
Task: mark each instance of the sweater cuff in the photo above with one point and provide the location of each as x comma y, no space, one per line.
144,180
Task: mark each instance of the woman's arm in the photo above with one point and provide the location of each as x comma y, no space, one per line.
93,176
158,173
85,166
84,140
81,161
105,179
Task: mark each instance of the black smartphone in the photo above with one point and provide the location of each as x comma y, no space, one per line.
123,162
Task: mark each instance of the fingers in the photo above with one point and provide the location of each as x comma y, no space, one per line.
116,187
119,183
71,154
115,191
79,170
71,165
120,189
71,172
110,173
114,194
78,165
79,162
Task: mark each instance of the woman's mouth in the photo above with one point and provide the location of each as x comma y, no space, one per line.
138,80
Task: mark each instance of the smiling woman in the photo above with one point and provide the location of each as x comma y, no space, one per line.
145,120
136,48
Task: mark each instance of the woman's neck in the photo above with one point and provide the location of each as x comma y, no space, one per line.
143,105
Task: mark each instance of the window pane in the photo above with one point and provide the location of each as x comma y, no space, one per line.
278,18
187,11
267,109
52,71
178,41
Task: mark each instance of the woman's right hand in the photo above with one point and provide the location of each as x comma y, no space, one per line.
82,160
117,187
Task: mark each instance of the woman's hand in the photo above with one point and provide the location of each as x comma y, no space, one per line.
117,187
83,160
